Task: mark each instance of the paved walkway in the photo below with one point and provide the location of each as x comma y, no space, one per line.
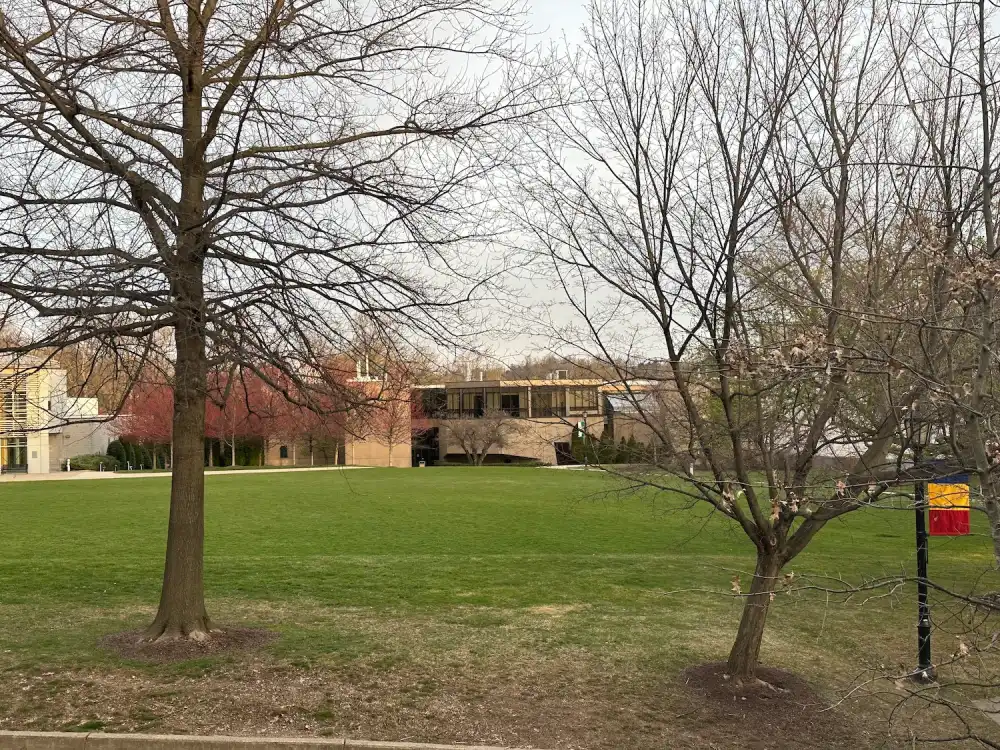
63,475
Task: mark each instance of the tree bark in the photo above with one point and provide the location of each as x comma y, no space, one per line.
182,611
992,508
746,650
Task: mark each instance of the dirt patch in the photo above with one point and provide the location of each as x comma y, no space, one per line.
555,610
566,702
779,711
129,645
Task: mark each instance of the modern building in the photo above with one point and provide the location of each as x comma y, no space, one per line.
541,415
40,425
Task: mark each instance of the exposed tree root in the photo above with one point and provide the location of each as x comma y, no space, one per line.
198,630
172,645
769,686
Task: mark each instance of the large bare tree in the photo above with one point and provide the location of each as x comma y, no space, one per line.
737,189
253,176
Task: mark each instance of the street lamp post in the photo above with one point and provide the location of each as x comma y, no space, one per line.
920,434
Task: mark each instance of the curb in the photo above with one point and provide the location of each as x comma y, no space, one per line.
102,741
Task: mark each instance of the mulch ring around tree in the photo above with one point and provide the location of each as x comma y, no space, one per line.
130,645
779,711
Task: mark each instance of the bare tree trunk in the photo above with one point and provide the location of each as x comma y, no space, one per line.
746,650
211,453
992,508
390,455
987,336
182,612
233,462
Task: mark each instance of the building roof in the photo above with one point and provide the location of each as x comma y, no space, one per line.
26,362
633,404
603,385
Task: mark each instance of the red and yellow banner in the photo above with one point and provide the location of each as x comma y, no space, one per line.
949,505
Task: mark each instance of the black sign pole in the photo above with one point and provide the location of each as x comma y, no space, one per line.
925,670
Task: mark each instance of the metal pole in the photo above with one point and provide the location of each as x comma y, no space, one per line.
925,671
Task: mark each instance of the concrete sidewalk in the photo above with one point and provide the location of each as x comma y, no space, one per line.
64,475
101,741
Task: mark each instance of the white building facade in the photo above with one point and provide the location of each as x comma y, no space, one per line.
40,426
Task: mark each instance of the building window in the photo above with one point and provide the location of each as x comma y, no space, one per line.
510,403
14,454
283,451
15,409
466,403
548,403
583,399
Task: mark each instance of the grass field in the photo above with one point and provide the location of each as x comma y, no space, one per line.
502,605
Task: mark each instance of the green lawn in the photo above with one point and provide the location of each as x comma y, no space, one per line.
422,604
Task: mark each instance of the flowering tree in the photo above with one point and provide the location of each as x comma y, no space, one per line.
390,417
727,192
227,411
148,416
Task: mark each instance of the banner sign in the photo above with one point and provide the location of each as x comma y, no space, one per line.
948,498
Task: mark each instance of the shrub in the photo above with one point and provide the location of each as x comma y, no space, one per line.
92,462
636,451
117,450
622,454
607,451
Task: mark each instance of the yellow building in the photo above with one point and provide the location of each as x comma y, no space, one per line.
40,427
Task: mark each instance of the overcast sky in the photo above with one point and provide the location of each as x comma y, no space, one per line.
550,20
555,16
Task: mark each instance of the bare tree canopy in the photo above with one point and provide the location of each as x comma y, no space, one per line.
477,437
254,177
770,209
